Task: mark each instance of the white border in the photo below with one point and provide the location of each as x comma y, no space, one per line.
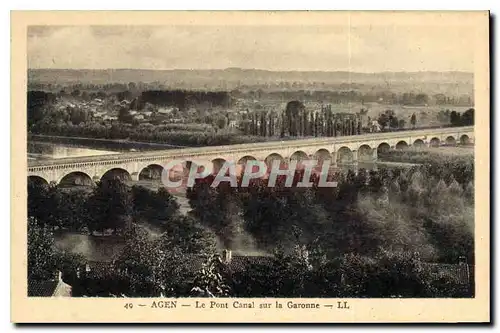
199,5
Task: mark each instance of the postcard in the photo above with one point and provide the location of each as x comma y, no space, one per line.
250,167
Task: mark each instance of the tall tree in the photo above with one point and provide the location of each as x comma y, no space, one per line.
160,266
110,206
212,279
468,117
124,115
383,120
41,251
292,113
455,118
305,124
413,120
283,125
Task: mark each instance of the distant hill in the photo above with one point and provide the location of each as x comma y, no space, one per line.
233,78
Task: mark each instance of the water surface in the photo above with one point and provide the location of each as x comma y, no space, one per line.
48,150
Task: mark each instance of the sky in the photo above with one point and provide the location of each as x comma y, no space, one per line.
280,48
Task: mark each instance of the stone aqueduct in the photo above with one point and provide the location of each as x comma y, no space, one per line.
342,150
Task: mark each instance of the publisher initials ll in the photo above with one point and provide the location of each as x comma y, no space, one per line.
342,305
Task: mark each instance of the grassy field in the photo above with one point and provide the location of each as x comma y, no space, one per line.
445,150
454,151
426,115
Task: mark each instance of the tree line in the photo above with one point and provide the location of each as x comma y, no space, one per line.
161,134
371,236
455,118
110,205
294,121
341,95
336,94
345,217
183,99
297,121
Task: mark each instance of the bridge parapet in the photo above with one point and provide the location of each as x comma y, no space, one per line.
134,162
331,142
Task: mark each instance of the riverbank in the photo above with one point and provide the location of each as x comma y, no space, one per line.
125,144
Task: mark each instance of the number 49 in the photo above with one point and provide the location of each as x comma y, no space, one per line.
129,306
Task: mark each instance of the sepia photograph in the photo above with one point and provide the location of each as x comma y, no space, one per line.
310,161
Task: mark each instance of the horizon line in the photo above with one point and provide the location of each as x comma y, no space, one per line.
254,69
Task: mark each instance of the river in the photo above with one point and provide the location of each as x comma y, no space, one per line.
48,150
53,147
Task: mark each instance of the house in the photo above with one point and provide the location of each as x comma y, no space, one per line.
49,288
235,263
99,277
97,102
240,263
375,126
99,115
165,110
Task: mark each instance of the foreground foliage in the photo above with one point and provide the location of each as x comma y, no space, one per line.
377,234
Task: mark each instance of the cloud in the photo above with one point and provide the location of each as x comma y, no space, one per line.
365,48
